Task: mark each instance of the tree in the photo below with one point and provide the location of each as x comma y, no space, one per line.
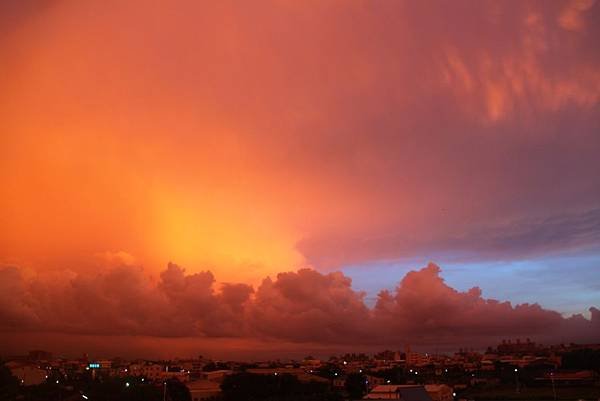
356,385
9,385
282,387
178,391
582,359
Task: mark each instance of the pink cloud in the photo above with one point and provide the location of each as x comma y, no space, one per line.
309,306
303,307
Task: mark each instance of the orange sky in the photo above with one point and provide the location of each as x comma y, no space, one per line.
251,139
359,139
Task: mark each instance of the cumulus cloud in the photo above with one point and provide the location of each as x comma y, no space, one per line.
303,306
309,306
424,309
14,309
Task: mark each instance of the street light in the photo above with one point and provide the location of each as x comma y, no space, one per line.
517,380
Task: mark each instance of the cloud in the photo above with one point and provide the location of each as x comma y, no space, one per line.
309,306
301,307
14,309
123,299
352,142
513,239
424,309
246,137
571,17
195,304
118,258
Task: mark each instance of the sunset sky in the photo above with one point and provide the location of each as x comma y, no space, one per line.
416,164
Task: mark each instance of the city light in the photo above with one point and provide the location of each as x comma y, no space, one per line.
365,367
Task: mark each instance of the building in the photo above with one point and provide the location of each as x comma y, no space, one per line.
181,375
299,373
439,392
28,375
151,371
398,392
579,378
517,347
374,381
203,389
104,365
416,359
196,368
311,363
216,376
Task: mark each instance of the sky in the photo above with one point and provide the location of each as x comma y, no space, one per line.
289,176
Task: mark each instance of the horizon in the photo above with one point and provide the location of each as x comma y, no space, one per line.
372,354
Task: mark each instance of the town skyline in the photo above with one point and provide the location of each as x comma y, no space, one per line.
517,369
